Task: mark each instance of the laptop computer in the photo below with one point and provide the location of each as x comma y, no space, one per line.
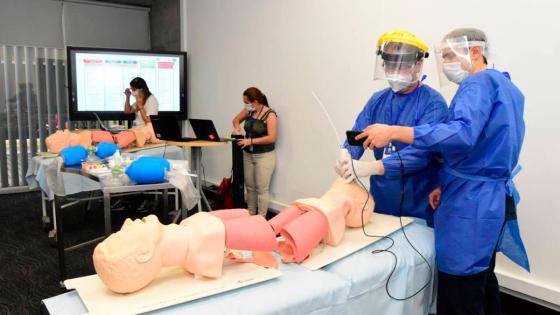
167,128
105,128
204,130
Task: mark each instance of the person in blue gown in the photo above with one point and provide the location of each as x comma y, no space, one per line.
407,102
480,142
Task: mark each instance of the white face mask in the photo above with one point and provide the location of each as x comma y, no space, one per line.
249,107
134,92
454,72
399,82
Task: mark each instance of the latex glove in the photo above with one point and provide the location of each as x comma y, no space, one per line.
360,169
435,198
376,135
342,159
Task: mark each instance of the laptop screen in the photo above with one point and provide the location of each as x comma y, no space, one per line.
204,129
166,127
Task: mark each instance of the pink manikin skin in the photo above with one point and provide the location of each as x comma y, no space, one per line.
64,139
140,137
101,136
340,206
246,232
149,133
130,259
145,135
124,139
58,141
82,138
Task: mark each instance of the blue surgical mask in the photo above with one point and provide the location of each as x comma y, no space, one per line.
454,72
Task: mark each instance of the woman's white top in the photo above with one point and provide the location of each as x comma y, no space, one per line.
151,108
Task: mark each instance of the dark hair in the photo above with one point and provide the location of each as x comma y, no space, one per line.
139,83
254,94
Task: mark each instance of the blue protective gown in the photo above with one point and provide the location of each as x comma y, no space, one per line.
422,106
480,142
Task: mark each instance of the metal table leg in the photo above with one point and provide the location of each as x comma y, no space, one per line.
165,208
46,219
176,191
196,152
107,212
60,239
196,157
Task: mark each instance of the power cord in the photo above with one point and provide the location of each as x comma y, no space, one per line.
387,250
164,149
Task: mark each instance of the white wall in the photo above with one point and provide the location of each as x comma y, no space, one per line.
53,23
291,48
31,22
106,25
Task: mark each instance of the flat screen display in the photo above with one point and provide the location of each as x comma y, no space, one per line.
98,78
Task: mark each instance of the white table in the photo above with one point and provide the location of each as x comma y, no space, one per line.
352,285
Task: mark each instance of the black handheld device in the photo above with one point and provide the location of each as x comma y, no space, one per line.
351,137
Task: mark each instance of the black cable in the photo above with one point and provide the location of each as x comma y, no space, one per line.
363,210
164,148
387,250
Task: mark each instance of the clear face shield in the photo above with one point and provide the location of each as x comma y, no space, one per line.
454,60
399,64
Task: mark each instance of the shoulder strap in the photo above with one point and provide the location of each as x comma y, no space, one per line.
268,112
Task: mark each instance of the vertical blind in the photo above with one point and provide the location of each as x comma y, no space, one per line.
34,104
33,93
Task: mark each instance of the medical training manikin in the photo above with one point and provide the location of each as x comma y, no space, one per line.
139,136
131,258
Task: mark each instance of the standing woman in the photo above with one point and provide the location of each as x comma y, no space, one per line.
259,157
149,105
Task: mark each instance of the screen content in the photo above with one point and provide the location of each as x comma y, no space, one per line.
101,79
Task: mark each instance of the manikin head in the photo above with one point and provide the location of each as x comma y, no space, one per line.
128,260
60,140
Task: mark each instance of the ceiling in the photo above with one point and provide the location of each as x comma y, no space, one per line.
143,3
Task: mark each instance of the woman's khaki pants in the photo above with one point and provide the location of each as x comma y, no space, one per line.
258,169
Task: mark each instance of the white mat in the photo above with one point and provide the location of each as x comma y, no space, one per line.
354,240
173,286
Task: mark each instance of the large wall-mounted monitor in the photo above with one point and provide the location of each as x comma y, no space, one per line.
97,78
